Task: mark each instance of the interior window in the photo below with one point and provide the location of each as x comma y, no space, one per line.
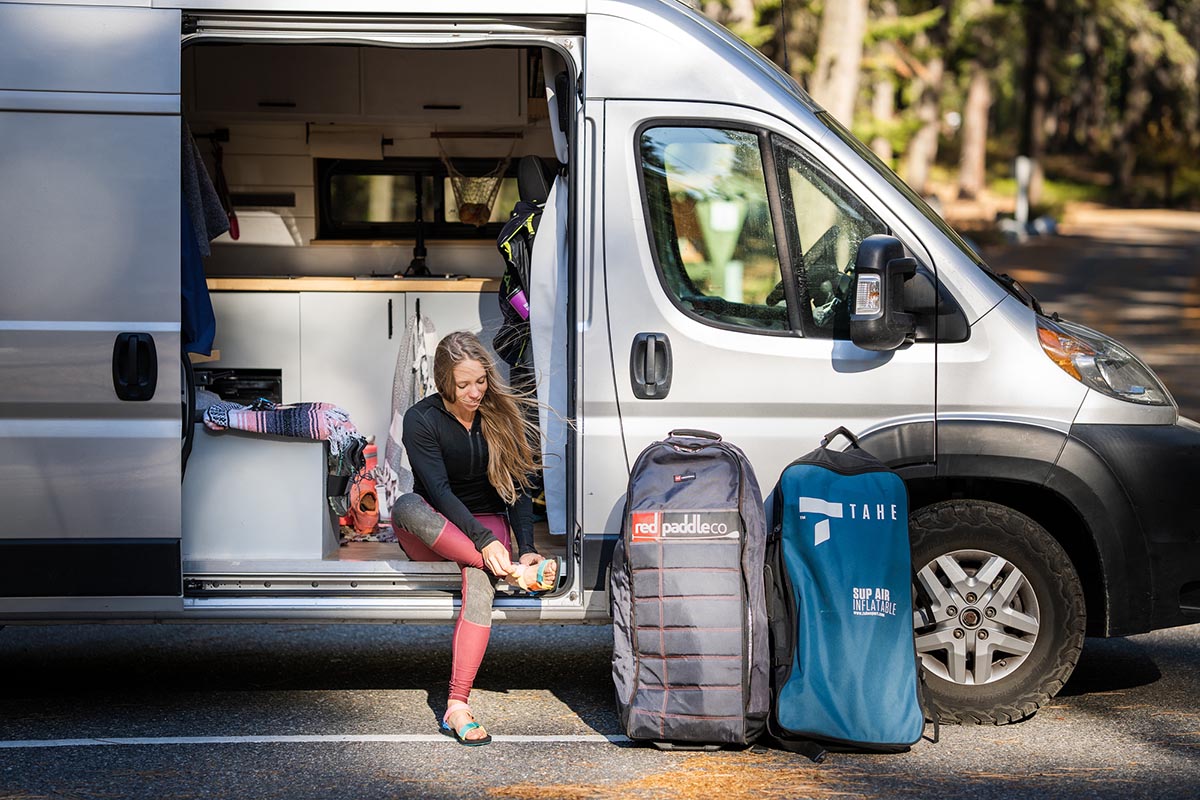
710,221
826,225
378,199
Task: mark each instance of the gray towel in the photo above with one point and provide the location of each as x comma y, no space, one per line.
209,219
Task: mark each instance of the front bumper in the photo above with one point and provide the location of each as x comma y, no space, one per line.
1156,517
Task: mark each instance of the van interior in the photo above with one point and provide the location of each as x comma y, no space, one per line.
369,184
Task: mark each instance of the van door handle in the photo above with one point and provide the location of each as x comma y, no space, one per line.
135,366
650,366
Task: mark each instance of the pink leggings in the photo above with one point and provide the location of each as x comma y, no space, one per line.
425,535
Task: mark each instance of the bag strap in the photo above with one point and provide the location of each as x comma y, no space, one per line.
805,747
839,431
695,433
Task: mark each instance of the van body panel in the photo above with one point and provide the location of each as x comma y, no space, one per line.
90,217
774,395
603,462
1001,372
1101,409
58,48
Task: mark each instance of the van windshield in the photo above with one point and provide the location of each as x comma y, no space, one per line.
1010,284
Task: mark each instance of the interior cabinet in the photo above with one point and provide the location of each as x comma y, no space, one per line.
447,87
348,347
260,330
340,347
299,81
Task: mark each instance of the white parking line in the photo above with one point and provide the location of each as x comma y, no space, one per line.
398,738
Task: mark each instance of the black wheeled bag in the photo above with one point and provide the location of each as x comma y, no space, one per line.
689,616
839,575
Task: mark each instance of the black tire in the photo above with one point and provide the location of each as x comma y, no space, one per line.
1035,581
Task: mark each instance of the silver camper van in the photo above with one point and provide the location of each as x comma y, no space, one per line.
697,265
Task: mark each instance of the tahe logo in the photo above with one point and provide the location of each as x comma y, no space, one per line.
857,511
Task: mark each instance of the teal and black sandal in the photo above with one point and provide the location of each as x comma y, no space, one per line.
460,734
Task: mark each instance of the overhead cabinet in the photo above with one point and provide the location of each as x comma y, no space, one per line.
367,84
298,81
480,87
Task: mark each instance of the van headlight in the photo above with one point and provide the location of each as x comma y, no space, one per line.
1100,363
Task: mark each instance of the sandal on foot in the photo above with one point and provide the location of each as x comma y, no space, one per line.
541,582
460,734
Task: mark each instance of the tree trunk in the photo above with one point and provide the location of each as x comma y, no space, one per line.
883,90
839,57
1137,102
972,163
922,150
1037,92
883,109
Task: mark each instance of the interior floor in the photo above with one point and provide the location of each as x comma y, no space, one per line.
546,544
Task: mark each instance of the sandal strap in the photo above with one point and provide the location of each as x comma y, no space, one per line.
467,728
454,707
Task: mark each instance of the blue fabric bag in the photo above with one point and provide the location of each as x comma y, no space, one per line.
839,600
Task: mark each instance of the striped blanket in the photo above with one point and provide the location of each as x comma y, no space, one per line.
320,421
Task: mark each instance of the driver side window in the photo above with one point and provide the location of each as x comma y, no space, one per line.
826,224
709,215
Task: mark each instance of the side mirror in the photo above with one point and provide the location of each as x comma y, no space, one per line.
877,317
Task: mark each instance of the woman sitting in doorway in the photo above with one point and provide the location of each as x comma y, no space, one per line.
472,453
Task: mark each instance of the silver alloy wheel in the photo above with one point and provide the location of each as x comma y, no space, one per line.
976,617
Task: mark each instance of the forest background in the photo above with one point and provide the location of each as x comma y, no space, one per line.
1102,95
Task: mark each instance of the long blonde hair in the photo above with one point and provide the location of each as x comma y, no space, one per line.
504,415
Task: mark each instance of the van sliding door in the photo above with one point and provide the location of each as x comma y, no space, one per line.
89,312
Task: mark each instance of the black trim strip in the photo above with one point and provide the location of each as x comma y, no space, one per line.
90,568
597,558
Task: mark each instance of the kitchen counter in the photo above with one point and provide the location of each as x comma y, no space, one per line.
468,285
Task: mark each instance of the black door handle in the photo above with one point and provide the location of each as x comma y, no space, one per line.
650,366
135,366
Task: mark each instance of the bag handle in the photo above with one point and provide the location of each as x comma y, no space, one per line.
842,431
695,433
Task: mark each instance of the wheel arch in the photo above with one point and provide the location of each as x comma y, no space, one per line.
1051,477
1050,510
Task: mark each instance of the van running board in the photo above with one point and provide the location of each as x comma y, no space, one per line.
325,585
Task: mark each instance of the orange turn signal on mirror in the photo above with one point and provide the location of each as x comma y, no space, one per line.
1062,350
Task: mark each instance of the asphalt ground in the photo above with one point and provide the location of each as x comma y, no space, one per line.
1126,725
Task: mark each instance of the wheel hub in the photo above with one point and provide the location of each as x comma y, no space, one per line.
977,617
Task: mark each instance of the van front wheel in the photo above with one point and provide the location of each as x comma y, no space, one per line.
999,611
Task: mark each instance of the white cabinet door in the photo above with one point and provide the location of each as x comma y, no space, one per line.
460,311
260,330
348,347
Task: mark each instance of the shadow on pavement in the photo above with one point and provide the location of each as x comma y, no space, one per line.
1108,665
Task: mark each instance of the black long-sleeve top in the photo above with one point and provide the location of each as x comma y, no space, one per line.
449,466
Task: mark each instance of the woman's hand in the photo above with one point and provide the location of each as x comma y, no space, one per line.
529,559
497,559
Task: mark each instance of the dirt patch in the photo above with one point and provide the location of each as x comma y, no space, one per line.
737,776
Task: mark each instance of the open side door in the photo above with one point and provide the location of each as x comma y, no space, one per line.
90,312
